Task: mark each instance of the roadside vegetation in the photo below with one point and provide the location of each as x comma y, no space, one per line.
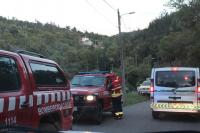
170,40
133,98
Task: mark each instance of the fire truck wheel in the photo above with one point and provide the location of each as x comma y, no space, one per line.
71,128
99,114
48,127
76,118
155,115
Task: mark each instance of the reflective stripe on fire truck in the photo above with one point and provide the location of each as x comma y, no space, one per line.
12,103
68,95
31,100
41,98
46,97
52,97
55,96
1,105
63,96
58,96
22,99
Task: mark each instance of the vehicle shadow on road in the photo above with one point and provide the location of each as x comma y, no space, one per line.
90,121
180,117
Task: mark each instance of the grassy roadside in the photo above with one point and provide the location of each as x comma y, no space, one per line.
133,98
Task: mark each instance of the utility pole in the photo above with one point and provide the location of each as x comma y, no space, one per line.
121,46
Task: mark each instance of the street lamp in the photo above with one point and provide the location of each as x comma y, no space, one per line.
126,13
122,49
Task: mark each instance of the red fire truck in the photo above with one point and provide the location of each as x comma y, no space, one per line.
34,92
93,94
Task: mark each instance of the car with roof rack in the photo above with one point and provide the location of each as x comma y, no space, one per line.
34,92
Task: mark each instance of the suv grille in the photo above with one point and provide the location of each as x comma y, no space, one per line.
79,100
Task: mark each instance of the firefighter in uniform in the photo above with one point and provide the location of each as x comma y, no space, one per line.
116,94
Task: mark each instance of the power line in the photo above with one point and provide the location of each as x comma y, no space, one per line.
109,5
107,19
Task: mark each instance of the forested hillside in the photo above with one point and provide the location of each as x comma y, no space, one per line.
64,45
170,40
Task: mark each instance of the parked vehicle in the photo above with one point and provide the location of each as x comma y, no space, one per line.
175,89
94,92
144,87
34,92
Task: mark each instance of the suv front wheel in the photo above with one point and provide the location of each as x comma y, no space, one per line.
99,114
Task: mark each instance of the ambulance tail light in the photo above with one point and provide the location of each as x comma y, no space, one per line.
151,89
174,69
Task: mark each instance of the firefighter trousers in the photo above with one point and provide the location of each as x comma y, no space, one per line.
117,105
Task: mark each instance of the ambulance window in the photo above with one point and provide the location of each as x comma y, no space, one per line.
47,75
9,75
175,79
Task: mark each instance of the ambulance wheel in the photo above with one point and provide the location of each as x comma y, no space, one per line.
99,114
155,115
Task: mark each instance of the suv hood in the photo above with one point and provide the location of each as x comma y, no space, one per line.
85,90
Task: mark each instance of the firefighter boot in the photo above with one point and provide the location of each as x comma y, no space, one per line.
119,115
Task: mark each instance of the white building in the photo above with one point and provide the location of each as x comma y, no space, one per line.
86,41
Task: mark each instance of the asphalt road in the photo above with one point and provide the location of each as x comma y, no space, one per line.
138,119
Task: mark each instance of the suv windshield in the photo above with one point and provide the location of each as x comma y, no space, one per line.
175,79
88,81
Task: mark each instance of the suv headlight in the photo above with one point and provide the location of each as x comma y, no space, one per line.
90,98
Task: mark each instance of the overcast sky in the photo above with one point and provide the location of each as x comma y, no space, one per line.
91,15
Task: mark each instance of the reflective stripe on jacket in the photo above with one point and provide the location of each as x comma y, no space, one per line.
116,92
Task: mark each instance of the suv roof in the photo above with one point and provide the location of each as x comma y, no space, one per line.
37,58
28,56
